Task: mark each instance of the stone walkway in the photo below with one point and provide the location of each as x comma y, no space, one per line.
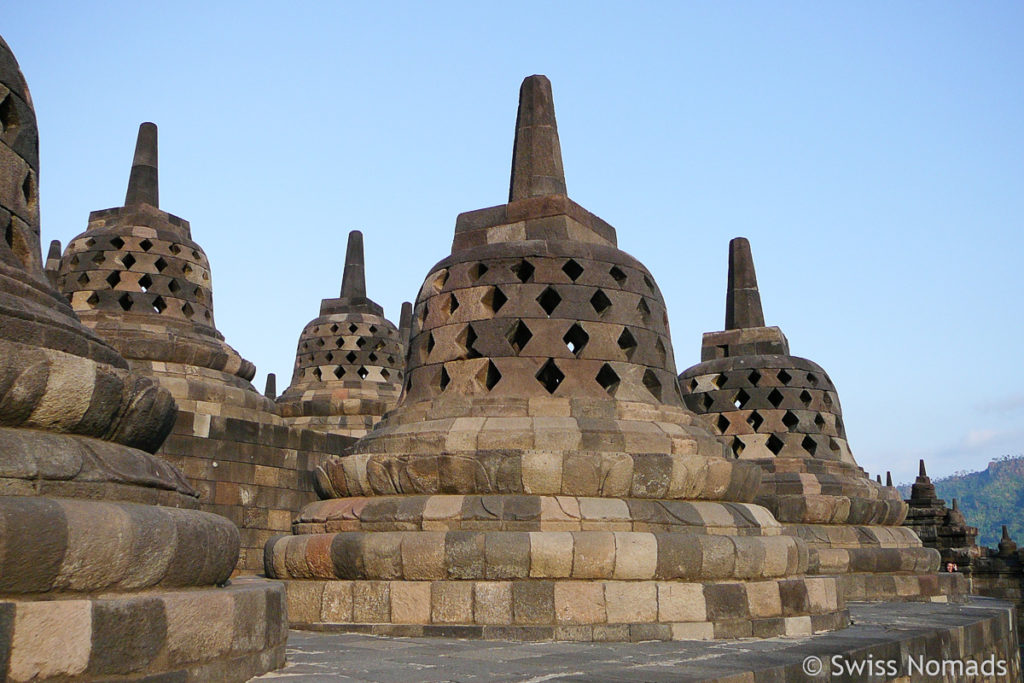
317,656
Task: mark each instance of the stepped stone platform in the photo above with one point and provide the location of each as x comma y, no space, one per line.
980,631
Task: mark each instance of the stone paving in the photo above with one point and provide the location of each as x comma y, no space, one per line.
896,631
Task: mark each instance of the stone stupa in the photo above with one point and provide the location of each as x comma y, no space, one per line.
540,477
138,279
107,570
783,413
349,362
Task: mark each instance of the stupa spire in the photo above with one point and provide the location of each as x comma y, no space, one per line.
353,281
743,300
536,155
144,183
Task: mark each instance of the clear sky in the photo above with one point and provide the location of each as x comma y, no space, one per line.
872,152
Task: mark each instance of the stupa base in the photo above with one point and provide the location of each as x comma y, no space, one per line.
194,634
531,609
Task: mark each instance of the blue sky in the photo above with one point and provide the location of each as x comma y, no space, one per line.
872,152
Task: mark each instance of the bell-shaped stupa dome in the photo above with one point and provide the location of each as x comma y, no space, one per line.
348,366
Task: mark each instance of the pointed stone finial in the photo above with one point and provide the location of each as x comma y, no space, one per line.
271,389
54,252
536,155
353,282
878,478
742,301
1006,534
955,507
888,478
52,264
143,183
405,323
921,472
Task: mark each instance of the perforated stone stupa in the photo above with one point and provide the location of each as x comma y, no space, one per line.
107,570
540,477
783,413
350,359
138,279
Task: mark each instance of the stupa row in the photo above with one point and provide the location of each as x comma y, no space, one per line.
520,458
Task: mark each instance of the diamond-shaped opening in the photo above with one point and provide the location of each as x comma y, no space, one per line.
379,345
523,270
174,249
305,346
128,260
372,357
608,379
839,424
146,245
334,328
430,342
453,304
755,420
339,371
819,421
549,300
785,377
117,243
833,445
8,114
494,299
652,383
805,397
385,374
491,376
145,282
518,336
775,397
600,302
27,191
643,308
362,372
812,379
467,338
199,294
126,301
693,384
648,282
90,243
572,269
550,376
317,373
720,380
188,311
83,279
329,356
373,329
391,359
160,264
477,271
173,286
353,328
445,379
617,274
339,342
774,444
809,445
159,304
737,446
827,400
707,402
722,423
439,280
790,420
320,343
186,269
93,300
741,398
754,377
575,339
99,258
361,342
114,279
74,259
351,357
627,342
195,255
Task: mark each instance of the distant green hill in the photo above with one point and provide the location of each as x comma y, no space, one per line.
989,499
